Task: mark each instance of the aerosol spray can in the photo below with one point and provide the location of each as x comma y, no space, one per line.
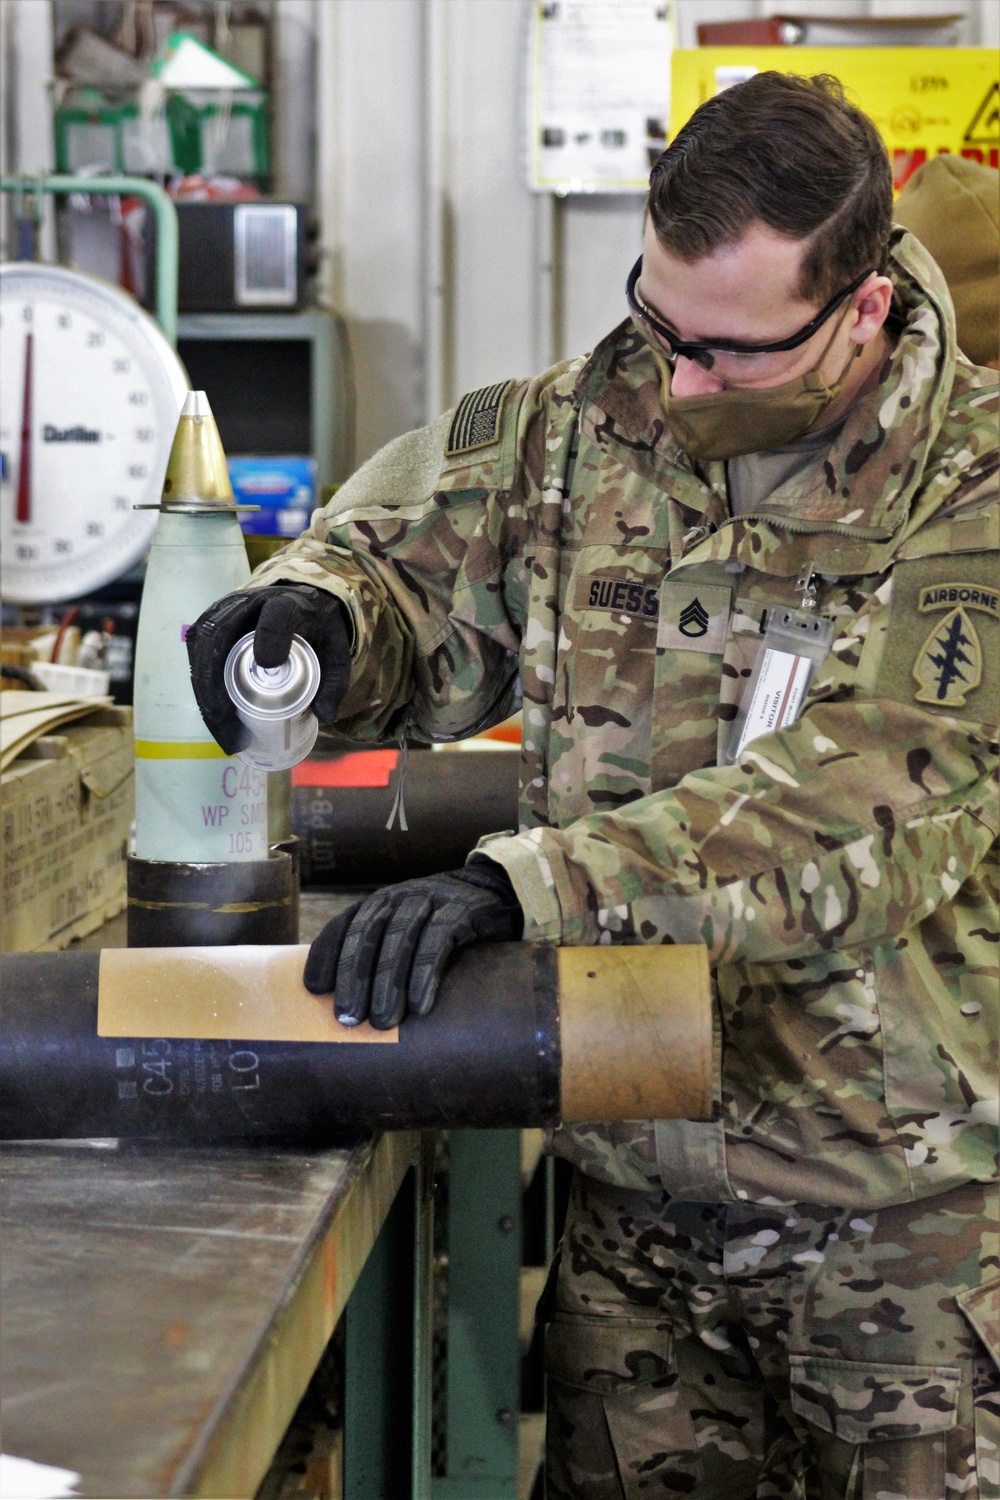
273,702
193,802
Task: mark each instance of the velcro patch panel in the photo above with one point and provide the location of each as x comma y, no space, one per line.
476,423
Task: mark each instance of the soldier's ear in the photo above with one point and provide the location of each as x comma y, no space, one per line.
872,302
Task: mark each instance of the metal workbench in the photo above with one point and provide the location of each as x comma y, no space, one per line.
164,1309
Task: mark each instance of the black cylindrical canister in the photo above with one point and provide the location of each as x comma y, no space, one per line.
173,904
488,1054
290,846
452,800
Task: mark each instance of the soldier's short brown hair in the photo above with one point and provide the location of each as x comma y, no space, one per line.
788,152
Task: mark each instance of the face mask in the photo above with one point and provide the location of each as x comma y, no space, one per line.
726,424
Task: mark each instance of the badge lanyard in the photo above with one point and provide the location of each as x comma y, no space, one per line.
795,642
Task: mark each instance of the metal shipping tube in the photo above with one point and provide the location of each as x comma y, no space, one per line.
225,1044
452,801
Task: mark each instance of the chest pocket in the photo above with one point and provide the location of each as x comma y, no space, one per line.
692,631
605,663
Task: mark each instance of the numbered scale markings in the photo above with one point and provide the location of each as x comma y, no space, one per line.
90,392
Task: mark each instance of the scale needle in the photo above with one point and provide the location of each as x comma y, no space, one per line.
23,512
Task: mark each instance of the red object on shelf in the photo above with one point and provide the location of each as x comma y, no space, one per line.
765,31
792,29
358,769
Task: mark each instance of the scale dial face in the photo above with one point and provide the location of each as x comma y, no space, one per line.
90,393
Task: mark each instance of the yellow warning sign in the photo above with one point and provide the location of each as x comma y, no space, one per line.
985,127
926,101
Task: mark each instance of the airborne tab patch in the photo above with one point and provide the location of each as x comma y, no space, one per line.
476,423
969,595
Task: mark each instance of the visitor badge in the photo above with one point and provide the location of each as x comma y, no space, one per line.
795,643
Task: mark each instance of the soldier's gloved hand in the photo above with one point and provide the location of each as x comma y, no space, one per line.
386,955
274,614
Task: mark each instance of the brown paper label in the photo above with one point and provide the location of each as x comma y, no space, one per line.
218,994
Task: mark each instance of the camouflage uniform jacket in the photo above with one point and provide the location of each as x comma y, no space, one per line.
840,872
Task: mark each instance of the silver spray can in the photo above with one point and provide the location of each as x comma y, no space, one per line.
273,702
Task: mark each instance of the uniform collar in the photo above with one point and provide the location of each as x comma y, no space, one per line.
863,487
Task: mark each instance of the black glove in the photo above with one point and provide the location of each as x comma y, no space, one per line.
274,614
387,954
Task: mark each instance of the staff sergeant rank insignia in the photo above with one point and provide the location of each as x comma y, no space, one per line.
949,664
693,620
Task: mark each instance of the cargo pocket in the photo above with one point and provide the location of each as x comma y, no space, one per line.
618,1423
864,1402
882,1429
981,1308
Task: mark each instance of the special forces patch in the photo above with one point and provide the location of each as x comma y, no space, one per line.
950,663
956,664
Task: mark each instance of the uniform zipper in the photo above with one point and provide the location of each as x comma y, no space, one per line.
811,528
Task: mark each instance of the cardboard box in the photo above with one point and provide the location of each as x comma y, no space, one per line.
66,807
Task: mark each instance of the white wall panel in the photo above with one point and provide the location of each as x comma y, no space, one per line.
488,224
450,272
294,146
601,238
369,98
28,136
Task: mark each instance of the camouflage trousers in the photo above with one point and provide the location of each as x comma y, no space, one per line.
740,1350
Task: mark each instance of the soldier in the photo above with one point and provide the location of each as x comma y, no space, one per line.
743,558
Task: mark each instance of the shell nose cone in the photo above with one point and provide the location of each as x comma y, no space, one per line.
196,404
196,469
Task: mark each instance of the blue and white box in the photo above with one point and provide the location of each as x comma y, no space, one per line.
284,488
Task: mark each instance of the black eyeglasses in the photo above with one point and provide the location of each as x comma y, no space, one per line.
704,354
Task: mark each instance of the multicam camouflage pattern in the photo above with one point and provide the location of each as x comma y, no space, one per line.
728,1351
843,872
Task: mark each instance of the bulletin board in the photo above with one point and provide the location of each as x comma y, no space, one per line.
599,98
924,100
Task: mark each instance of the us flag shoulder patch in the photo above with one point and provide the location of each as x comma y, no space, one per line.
476,423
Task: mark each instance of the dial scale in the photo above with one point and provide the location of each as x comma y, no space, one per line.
90,392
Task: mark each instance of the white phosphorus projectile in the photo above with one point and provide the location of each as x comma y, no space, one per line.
192,801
